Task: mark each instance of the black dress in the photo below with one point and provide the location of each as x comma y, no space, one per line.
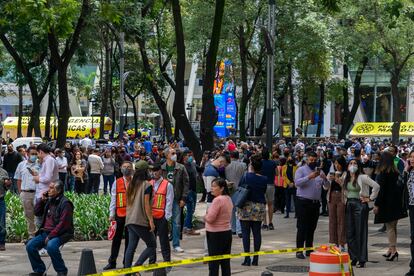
390,199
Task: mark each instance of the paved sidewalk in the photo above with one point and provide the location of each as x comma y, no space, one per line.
14,261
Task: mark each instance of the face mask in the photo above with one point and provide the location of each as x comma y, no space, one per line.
126,171
312,165
174,158
33,158
353,169
154,150
190,160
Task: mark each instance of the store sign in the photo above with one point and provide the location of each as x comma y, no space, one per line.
286,130
381,129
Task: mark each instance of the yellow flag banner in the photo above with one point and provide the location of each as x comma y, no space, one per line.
383,129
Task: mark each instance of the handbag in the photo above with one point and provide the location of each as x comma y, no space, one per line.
240,195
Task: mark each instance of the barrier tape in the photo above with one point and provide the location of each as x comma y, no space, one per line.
199,260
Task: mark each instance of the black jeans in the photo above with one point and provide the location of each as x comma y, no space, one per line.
81,188
307,213
137,232
279,201
324,201
411,212
255,227
289,193
219,243
62,177
94,181
356,215
116,242
162,231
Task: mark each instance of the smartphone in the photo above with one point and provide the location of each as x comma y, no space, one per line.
318,170
30,171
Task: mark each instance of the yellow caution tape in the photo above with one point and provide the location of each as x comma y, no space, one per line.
199,260
334,250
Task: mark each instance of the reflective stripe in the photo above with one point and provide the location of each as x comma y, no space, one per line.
121,200
327,268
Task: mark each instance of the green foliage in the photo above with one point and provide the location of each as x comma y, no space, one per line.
91,215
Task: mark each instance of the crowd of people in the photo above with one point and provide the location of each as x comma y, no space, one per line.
151,182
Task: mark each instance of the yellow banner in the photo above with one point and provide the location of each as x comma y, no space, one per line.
381,129
76,125
286,131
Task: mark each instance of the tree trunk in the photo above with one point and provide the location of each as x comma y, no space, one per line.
208,110
64,108
291,100
34,122
396,105
111,101
19,119
348,121
154,88
321,108
105,94
179,114
345,96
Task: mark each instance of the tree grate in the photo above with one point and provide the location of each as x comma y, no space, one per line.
288,268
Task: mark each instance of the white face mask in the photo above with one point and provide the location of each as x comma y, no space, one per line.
174,158
353,169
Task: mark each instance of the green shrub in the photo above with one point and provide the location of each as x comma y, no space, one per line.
90,216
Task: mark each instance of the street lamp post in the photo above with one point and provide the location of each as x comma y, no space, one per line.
270,42
121,84
92,102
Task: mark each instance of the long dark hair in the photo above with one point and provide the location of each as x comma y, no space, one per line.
140,176
386,164
222,184
348,174
342,162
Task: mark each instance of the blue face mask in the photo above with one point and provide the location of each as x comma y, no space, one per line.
33,158
190,160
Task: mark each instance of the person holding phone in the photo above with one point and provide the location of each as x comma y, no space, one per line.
308,180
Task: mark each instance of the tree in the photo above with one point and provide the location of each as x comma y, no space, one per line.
208,110
21,37
67,32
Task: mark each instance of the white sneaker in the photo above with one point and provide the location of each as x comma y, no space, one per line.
43,253
178,249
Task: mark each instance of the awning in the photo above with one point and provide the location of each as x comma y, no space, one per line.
383,129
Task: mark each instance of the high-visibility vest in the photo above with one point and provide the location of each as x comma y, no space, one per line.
279,181
121,201
159,199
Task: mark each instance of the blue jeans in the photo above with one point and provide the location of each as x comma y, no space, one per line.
176,224
52,247
108,179
70,183
2,221
235,222
190,205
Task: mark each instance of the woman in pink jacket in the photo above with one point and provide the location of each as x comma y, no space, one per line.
218,227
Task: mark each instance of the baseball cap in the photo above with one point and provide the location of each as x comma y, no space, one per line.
142,165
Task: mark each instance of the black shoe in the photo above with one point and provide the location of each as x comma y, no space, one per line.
255,261
271,227
392,257
387,255
382,229
109,266
308,253
62,274
246,262
361,265
240,236
287,216
300,255
234,233
37,274
264,227
354,262
410,273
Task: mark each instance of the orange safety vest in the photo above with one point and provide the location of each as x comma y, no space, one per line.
279,181
160,199
121,201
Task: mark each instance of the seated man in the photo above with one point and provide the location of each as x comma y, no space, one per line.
56,229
